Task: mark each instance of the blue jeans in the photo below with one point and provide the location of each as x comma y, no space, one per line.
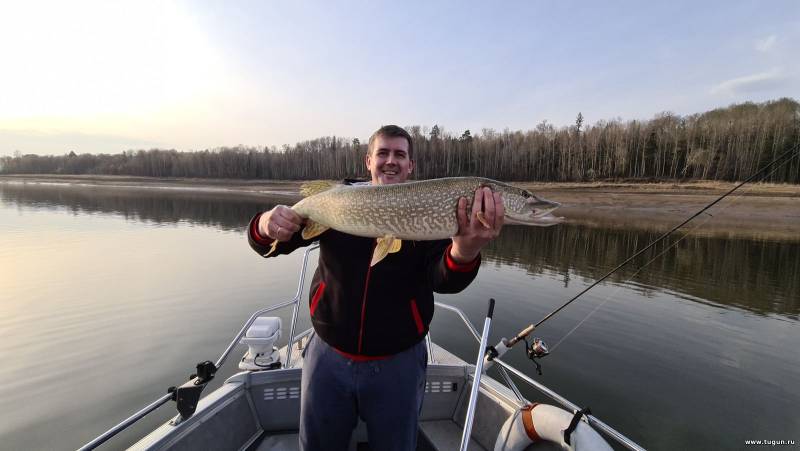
336,391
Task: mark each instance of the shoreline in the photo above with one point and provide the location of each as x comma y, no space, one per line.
761,211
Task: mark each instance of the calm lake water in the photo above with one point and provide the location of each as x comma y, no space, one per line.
108,296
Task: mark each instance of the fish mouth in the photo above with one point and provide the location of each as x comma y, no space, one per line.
538,212
542,220
546,220
540,207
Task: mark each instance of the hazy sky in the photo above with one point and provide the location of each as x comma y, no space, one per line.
106,76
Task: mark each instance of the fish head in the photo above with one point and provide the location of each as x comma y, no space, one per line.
525,208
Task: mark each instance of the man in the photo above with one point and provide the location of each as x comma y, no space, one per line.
367,357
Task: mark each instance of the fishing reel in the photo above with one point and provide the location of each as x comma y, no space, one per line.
535,351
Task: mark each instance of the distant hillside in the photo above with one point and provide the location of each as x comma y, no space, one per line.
723,144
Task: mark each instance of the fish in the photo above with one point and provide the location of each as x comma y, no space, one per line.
416,210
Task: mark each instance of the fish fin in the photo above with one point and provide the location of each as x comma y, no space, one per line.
315,187
272,248
395,247
313,229
382,248
482,219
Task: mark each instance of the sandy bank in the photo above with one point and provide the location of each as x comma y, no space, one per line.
764,211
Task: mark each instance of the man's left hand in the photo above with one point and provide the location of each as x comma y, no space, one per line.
475,232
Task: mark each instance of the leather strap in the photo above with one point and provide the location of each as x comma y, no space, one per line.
527,421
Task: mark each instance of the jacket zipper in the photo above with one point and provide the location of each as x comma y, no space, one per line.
364,298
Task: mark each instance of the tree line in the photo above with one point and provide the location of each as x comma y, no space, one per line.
728,144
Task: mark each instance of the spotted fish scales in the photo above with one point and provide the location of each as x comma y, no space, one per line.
419,210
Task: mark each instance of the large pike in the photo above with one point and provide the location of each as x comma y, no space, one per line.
419,210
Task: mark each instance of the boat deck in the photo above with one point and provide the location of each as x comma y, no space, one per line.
260,411
436,433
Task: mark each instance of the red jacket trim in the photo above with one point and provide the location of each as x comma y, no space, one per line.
316,298
417,317
452,265
264,241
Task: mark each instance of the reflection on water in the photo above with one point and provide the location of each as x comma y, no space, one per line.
108,297
125,290
761,276
221,210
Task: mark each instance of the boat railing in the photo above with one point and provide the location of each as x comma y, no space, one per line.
295,302
503,367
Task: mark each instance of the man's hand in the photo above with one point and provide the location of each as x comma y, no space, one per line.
280,223
481,226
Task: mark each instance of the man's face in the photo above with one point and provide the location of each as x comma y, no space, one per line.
388,161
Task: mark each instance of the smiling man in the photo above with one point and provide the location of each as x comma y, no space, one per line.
367,358
389,159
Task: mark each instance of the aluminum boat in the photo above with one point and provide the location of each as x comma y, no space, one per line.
259,408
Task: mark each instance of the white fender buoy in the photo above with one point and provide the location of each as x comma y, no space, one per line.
542,422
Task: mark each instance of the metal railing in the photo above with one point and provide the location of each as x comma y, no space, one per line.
124,424
503,366
295,301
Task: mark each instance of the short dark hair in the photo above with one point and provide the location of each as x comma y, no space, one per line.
392,131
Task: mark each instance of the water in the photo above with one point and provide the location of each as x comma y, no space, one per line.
109,296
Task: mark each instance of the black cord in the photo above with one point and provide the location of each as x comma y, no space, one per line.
255,362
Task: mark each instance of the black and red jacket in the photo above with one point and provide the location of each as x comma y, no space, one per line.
374,311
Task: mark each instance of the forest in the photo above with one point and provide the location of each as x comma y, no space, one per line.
726,144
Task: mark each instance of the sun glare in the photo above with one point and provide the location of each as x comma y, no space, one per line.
73,64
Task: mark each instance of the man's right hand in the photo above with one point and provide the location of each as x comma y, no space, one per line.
280,223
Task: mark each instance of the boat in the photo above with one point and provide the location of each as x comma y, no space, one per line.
259,407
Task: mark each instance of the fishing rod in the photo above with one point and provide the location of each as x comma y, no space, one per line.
539,349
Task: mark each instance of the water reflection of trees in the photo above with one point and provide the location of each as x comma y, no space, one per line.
224,211
762,276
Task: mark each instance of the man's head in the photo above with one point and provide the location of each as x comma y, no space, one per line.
390,155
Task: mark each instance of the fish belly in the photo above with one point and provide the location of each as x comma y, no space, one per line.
374,214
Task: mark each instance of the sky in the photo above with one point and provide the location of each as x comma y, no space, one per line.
109,76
